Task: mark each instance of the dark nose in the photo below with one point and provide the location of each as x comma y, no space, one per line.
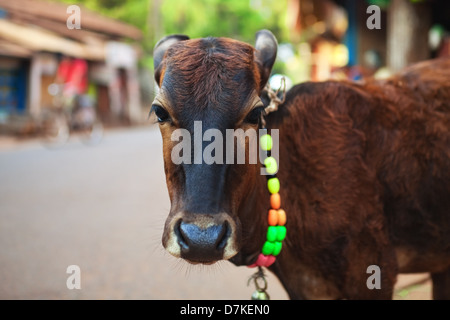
202,244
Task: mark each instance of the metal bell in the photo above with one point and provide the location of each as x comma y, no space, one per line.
260,295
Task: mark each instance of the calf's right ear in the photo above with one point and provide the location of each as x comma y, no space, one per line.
161,48
266,52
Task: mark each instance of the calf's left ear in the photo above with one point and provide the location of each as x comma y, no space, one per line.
266,52
161,48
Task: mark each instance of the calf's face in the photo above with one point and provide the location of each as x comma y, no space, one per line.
208,86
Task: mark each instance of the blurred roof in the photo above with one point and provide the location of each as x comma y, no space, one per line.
27,26
53,16
20,40
12,49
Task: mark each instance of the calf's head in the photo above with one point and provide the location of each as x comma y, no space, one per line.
208,84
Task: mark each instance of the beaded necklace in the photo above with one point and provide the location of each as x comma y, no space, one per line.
276,231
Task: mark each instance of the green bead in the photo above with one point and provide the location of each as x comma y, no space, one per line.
266,142
268,248
272,233
271,165
273,185
277,248
281,233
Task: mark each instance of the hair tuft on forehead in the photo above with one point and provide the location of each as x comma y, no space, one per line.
209,69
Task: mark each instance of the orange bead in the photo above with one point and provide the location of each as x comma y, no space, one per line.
273,217
281,217
275,201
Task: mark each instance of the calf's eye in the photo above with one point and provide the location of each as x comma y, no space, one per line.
161,114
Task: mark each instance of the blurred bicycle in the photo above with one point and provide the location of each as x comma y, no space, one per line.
72,110
68,116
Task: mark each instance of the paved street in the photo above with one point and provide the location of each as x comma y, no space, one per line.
101,208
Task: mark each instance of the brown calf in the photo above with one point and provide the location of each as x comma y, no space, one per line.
364,170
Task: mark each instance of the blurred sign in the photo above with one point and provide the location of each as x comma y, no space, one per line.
120,55
101,73
48,63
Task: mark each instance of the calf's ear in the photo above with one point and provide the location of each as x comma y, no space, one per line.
266,52
161,48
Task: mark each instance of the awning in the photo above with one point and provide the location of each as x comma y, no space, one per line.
41,40
13,50
57,13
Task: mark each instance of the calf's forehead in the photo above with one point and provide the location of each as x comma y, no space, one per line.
211,73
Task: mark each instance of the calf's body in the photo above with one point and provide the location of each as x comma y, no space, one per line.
365,180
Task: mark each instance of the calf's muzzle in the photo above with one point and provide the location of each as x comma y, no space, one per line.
201,238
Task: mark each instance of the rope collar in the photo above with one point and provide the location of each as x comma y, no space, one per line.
275,101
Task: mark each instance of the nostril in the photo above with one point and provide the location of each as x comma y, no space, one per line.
225,233
182,238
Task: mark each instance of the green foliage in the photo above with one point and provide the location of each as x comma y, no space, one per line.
133,12
239,19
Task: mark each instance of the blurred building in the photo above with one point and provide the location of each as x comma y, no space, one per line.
35,36
401,38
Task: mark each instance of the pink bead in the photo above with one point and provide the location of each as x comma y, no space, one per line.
262,260
270,261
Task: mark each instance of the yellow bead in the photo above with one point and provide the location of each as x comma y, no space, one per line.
271,165
273,185
266,142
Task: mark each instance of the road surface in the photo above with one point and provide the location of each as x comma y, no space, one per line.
101,208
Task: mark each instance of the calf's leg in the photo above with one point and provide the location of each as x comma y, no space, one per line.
441,285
